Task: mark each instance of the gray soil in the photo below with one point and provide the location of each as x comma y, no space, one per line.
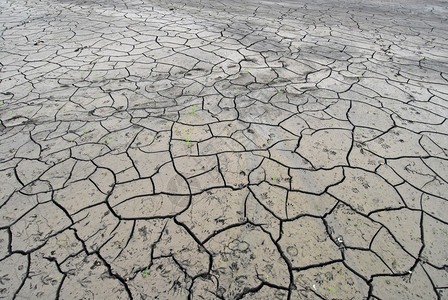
223,149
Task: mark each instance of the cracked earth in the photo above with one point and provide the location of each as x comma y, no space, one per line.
223,149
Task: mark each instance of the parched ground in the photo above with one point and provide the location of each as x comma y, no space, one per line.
223,149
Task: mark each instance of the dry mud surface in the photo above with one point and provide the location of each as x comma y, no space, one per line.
223,149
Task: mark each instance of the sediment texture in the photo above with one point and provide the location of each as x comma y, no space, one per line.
223,149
